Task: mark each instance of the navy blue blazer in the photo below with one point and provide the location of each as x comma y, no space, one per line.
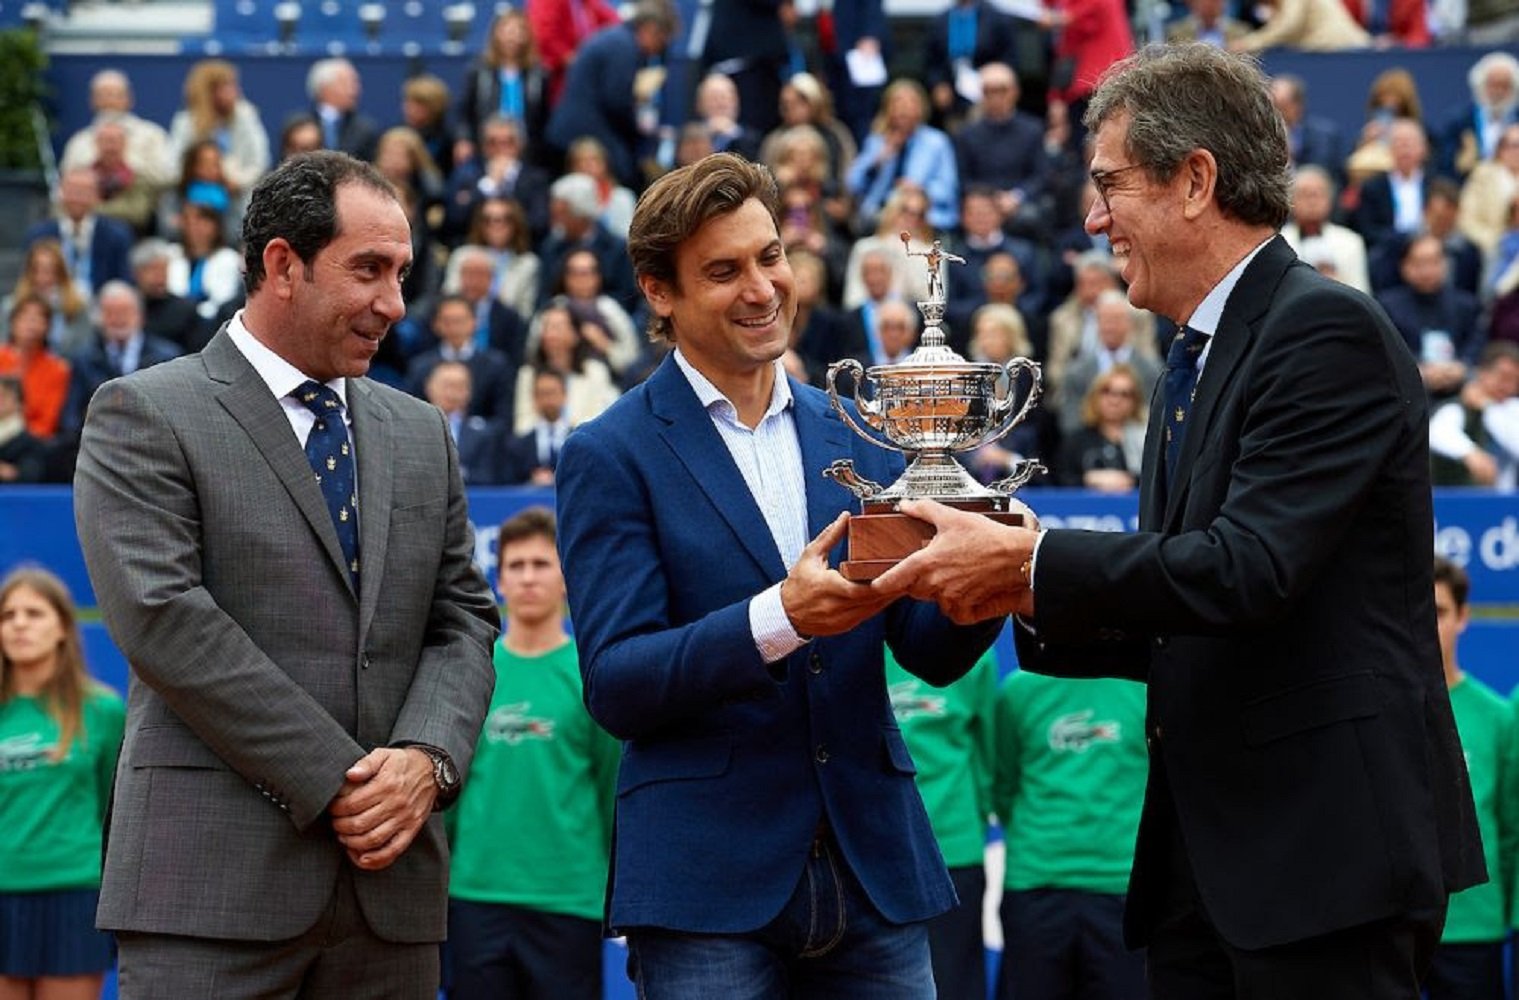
110,247
729,764
598,100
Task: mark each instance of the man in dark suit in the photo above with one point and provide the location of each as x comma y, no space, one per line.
310,640
334,88
748,41
1436,319
577,226
1392,204
121,347
533,455
481,442
768,829
96,247
1003,148
497,325
967,36
1308,810
172,317
1310,139
611,83
493,375
502,169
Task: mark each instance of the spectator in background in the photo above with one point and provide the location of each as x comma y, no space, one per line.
473,276
574,212
693,142
1090,36
479,441
1206,21
806,103
1073,323
402,158
204,269
500,169
559,28
982,234
124,195
751,44
147,143
45,274
302,134
588,156
820,334
203,180
1491,22
1392,204
1394,23
897,331
525,898
805,226
798,157
1441,209
1105,450
999,334
23,458
216,110
1438,320
507,79
879,285
1003,148
492,372
1316,239
334,87
719,107
1468,964
1393,94
499,231
1120,341
1071,766
1489,193
903,149
43,375
1474,439
906,211
589,387
424,109
62,732
1470,133
1305,25
604,325
966,37
950,733
95,246
121,347
533,455
612,90
1001,283
172,317
1311,140
858,27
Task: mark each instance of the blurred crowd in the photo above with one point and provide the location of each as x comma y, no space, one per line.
520,178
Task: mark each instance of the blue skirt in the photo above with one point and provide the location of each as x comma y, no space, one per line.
52,934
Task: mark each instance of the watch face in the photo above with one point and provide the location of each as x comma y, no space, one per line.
448,775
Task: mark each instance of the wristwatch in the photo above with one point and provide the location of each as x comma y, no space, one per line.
444,774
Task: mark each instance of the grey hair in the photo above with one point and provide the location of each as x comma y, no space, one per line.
1476,78
322,73
148,251
578,193
1316,171
1181,98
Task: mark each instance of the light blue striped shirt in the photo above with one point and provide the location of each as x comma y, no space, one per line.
769,457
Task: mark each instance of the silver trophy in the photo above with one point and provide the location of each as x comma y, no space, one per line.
930,406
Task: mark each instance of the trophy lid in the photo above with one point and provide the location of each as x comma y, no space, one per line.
932,353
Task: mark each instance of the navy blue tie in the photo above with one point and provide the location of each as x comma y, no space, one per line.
1180,387
331,456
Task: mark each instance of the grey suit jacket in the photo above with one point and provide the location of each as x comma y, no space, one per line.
257,677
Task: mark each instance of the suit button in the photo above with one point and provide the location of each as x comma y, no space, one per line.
1160,733
1160,642
364,661
815,663
822,754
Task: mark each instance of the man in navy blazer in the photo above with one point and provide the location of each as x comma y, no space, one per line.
1308,809
96,247
768,830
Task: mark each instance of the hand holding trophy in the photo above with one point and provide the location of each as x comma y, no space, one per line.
928,407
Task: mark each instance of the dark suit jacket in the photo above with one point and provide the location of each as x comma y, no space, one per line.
598,101
994,43
663,548
1450,310
259,673
611,253
358,135
521,458
1279,601
92,369
493,381
530,189
480,97
1376,212
174,318
110,247
1007,154
482,452
1320,143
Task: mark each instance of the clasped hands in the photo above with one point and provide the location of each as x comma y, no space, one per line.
973,569
386,797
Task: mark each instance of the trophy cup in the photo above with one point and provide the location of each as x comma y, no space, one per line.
929,406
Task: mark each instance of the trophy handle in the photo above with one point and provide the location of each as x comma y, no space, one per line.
1003,407
1026,471
870,410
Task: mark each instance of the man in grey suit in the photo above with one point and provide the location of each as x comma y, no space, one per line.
310,655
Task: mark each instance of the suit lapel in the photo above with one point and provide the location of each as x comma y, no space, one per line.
1150,492
824,438
247,398
690,436
372,440
1236,326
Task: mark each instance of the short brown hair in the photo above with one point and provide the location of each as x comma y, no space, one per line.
1181,98
1455,578
681,202
531,522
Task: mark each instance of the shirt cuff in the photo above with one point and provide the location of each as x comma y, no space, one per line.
1033,560
773,635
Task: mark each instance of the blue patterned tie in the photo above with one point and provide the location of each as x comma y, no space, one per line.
1180,387
331,457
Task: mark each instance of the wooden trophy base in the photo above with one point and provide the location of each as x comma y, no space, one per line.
880,540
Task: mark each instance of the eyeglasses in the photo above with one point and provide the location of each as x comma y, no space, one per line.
1103,181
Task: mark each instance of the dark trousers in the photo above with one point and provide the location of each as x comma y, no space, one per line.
1472,971
956,942
1065,944
500,952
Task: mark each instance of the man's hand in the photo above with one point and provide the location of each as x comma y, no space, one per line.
1482,466
817,599
386,797
973,567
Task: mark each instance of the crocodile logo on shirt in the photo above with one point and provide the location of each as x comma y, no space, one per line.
26,752
907,703
510,724
1077,732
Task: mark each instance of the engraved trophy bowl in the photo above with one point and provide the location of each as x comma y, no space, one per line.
929,406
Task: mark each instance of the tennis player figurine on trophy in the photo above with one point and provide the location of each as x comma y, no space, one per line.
928,407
